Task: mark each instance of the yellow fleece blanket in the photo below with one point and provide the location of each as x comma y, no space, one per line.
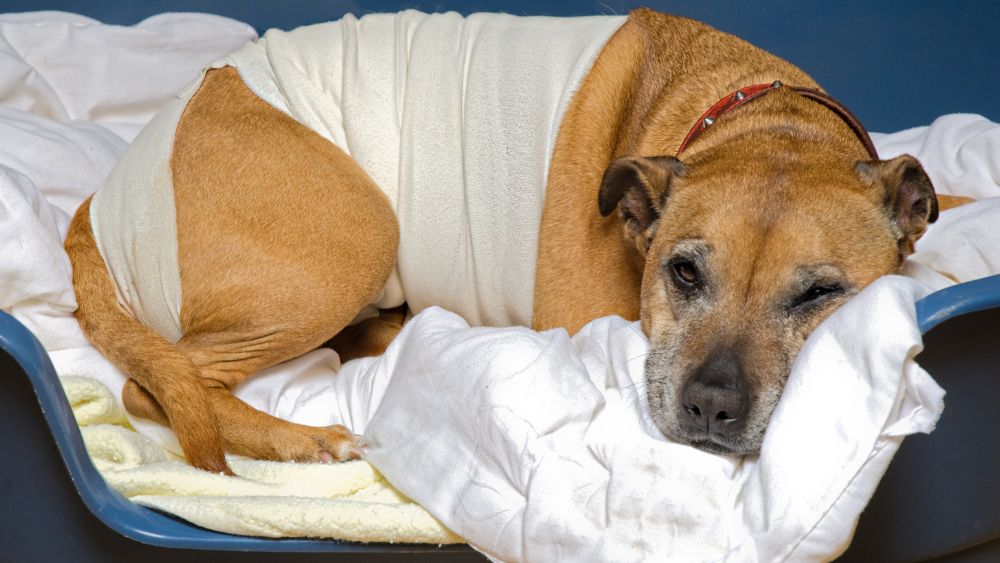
345,501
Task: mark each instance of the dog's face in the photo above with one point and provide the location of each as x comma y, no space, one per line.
742,263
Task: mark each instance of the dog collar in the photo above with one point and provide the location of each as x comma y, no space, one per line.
744,95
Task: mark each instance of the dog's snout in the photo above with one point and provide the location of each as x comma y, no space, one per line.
715,399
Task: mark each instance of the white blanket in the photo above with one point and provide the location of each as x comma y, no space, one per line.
530,445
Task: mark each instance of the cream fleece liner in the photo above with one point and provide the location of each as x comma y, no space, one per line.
346,501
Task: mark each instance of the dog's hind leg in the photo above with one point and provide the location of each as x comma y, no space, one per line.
282,240
240,424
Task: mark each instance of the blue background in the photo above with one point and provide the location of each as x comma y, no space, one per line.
895,64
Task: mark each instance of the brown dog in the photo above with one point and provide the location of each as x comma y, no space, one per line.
731,254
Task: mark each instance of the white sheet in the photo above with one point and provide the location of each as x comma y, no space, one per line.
473,423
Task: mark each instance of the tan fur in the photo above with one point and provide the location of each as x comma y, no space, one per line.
946,202
769,192
760,233
653,79
160,367
282,238
370,337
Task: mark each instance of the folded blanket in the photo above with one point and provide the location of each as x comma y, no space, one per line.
347,501
532,446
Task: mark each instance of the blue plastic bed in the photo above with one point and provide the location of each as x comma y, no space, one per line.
895,66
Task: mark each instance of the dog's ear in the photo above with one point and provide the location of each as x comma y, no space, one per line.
638,187
907,193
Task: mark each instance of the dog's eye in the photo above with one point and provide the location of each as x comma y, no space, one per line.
817,293
685,273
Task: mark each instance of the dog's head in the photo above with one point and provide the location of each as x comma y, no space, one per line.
747,251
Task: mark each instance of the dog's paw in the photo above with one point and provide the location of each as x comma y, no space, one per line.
337,444
318,445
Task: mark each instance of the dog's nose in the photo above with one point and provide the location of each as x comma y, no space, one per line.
715,398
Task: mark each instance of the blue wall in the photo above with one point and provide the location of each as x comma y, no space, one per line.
896,64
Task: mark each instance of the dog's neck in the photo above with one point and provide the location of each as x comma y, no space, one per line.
668,92
782,118
748,94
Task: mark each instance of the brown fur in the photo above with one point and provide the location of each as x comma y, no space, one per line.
370,337
653,79
775,196
946,202
118,336
282,238
252,297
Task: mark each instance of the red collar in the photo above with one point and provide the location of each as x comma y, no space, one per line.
744,95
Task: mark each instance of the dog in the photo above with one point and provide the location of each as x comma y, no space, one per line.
694,182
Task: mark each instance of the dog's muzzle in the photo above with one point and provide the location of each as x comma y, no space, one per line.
715,403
